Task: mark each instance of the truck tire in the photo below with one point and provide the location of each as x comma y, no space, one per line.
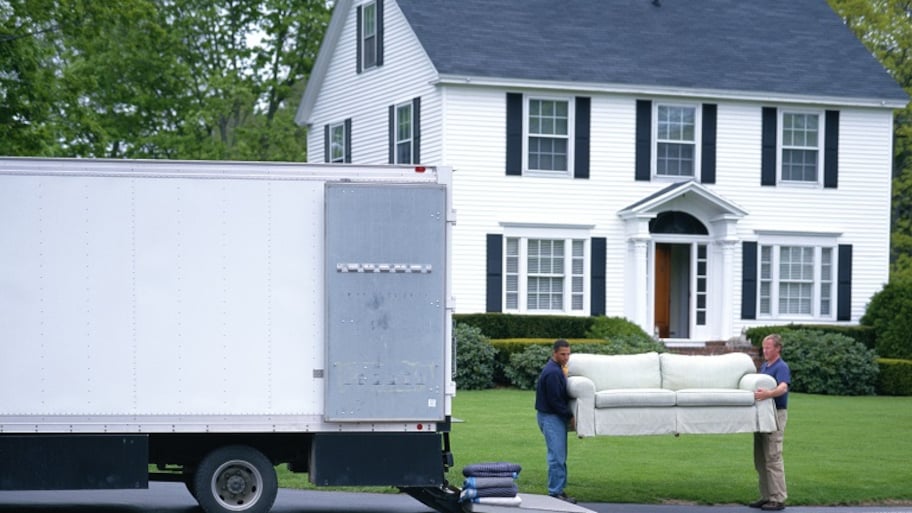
235,478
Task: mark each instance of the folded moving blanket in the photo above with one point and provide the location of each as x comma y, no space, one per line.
498,501
503,491
487,482
495,469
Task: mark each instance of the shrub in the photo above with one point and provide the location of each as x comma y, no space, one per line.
828,363
501,325
890,314
525,366
616,327
474,358
862,334
895,377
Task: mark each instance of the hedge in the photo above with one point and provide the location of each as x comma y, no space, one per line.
863,334
895,377
501,325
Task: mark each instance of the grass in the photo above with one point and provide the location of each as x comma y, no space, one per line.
838,451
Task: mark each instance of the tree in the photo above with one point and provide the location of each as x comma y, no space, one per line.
190,79
885,27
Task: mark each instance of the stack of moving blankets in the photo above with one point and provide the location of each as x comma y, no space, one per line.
491,483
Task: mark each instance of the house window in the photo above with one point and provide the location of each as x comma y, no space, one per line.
796,281
404,133
548,135
676,143
544,275
369,35
337,143
800,141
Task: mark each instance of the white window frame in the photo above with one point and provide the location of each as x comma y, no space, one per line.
337,145
824,255
369,37
697,140
570,136
782,147
519,269
408,138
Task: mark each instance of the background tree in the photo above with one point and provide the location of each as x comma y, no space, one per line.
190,79
885,27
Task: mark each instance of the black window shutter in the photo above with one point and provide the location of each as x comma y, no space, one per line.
643,140
326,143
831,150
358,41
416,130
597,271
844,284
514,133
494,302
348,141
708,156
392,134
749,280
768,155
581,145
379,32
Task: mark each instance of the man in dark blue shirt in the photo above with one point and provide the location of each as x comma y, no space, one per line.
768,446
554,416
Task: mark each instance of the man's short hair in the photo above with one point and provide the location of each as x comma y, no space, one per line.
775,338
559,343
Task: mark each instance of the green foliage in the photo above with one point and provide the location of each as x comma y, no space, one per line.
525,366
890,315
522,367
895,377
474,358
864,335
188,79
616,327
501,325
828,363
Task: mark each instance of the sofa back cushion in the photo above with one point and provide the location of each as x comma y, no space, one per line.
717,371
617,371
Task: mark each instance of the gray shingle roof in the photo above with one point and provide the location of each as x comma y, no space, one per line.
790,47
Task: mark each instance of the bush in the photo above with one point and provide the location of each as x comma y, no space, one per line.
525,366
616,327
828,363
895,377
501,325
863,334
474,358
890,314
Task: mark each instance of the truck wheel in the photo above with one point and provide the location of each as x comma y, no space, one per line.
236,478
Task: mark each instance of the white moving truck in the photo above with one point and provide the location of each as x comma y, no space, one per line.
205,321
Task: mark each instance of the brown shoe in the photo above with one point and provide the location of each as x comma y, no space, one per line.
773,506
758,503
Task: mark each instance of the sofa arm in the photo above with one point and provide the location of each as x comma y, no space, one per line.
582,402
755,381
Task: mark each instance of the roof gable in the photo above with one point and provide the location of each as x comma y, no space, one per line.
784,47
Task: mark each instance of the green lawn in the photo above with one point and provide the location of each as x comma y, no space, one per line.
838,450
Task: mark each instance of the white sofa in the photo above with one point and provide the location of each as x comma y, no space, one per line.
654,394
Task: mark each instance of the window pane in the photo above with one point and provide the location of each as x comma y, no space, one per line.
800,146
675,159
548,135
404,134
369,35
337,143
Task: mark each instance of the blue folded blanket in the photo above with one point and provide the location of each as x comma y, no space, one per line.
503,491
493,469
487,482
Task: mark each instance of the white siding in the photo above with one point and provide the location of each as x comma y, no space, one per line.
365,97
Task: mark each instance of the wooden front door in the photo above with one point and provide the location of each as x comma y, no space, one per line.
662,306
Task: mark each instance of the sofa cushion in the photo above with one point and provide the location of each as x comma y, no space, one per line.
717,371
713,397
617,371
634,397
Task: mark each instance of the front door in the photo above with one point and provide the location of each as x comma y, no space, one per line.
662,288
674,289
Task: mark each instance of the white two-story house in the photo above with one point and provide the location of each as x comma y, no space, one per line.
697,166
